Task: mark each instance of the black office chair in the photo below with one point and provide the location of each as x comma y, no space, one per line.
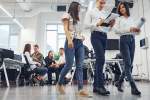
87,52
1,63
30,73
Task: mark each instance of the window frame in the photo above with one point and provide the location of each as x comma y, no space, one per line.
57,35
9,35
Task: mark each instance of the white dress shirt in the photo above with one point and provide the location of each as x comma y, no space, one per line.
61,59
31,62
123,25
93,17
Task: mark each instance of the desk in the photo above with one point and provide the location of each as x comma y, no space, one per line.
15,64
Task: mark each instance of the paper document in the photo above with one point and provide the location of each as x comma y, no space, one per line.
109,18
141,23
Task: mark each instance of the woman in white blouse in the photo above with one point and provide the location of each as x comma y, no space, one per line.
43,71
73,47
125,28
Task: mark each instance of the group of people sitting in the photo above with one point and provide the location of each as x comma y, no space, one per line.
51,66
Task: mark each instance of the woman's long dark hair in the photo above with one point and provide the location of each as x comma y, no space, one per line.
49,53
27,48
73,10
126,7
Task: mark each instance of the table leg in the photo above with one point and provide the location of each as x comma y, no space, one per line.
19,73
111,73
5,72
92,71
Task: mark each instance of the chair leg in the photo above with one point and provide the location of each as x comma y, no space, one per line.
22,82
32,80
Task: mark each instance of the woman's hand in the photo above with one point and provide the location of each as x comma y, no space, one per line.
133,29
39,65
70,44
50,66
139,30
83,38
53,59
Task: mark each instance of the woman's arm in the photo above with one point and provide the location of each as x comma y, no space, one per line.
123,31
46,61
29,58
65,23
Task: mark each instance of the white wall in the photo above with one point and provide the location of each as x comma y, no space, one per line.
27,34
142,56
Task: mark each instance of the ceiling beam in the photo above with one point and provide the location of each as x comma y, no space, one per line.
24,6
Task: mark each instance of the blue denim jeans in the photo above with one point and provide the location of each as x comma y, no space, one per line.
99,43
78,52
42,70
53,70
127,49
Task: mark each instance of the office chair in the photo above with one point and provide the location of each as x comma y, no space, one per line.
1,63
87,52
31,73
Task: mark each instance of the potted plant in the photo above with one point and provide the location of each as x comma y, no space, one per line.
56,57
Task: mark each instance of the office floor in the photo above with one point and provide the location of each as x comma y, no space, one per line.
49,92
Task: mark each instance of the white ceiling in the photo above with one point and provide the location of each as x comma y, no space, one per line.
33,4
30,8
23,8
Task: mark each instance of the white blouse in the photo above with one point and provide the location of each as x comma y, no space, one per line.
31,62
123,25
74,30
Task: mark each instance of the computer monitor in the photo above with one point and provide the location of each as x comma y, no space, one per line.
144,43
17,57
8,53
112,44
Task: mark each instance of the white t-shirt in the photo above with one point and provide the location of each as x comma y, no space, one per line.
61,59
74,30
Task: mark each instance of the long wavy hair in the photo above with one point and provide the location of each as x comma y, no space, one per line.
49,53
73,11
126,7
27,48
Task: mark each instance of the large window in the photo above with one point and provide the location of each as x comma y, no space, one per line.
55,37
9,37
4,36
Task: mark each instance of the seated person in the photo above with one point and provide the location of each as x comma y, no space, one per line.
61,62
37,56
43,71
49,60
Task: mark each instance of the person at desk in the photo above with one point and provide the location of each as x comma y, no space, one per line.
37,56
93,21
43,71
125,28
51,68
